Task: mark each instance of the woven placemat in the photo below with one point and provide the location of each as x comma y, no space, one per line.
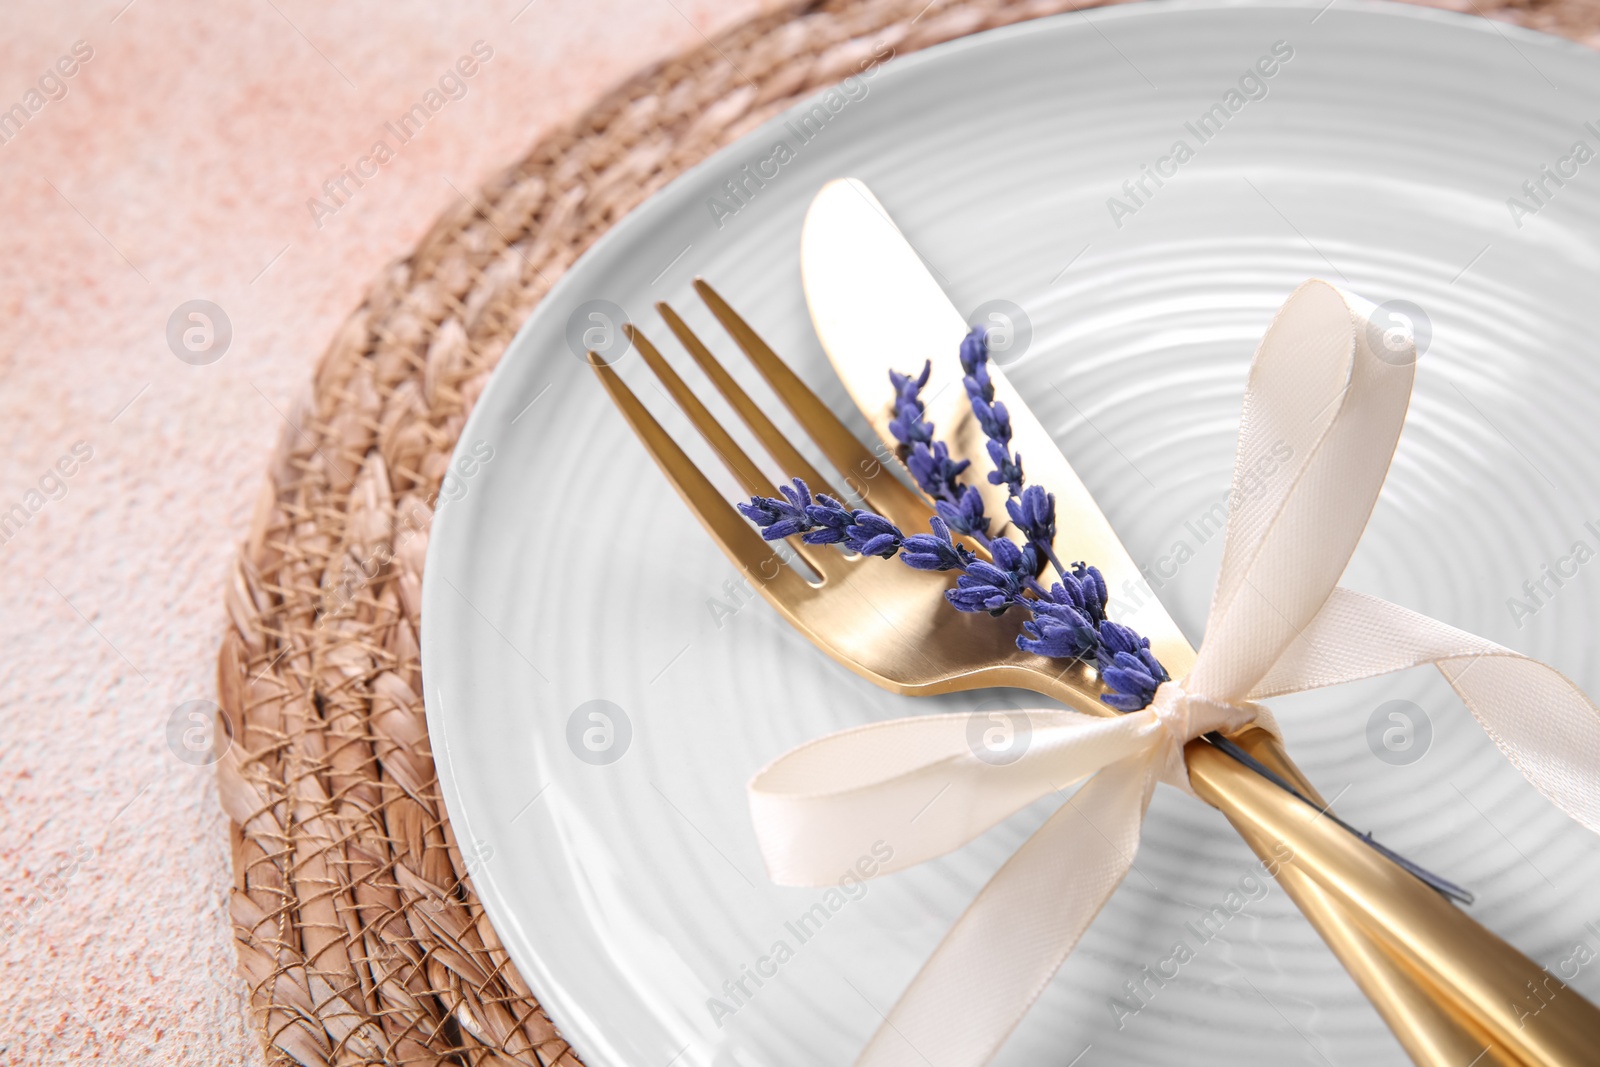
358,932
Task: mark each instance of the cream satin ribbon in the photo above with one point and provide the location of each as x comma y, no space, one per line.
1278,624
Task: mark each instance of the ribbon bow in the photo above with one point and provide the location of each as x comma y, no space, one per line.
1279,623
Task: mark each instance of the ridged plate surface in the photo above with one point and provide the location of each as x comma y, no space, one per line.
1381,156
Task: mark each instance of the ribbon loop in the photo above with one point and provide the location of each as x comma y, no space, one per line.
1323,410
1536,715
1322,415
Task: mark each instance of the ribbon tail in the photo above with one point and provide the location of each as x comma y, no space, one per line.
1538,717
1003,951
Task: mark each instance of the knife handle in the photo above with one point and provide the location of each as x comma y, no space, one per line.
1413,1009
1405,945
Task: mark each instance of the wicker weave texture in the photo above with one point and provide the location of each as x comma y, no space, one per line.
358,932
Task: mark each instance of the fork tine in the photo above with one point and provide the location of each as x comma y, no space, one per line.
737,539
865,472
749,476
824,559
788,457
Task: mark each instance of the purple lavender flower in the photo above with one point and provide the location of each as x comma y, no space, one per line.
908,425
935,472
1132,682
936,551
965,515
1058,631
830,521
1119,638
994,587
874,535
1034,513
781,518
1076,592
974,350
1128,667
860,531
993,418
1007,468
1093,585
978,384
982,588
907,388
1065,619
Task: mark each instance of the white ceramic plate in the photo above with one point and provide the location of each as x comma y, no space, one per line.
1381,156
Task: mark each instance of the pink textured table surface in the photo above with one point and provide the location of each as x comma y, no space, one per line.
173,163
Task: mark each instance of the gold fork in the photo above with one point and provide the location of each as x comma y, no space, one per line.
1449,988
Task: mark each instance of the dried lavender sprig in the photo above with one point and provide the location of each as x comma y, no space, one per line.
936,472
1034,513
824,521
785,517
1068,620
1032,510
992,415
908,426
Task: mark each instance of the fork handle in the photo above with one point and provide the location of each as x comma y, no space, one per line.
1491,1004
1414,1010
